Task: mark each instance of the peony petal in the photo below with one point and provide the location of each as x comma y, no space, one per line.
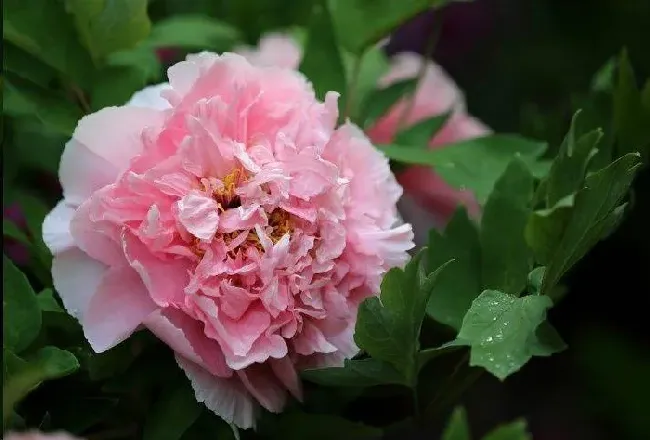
76,277
227,398
185,336
261,383
199,215
115,133
83,172
286,373
56,228
150,97
119,306
164,280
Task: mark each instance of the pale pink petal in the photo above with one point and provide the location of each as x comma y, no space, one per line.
286,373
185,336
261,383
150,97
120,304
76,277
115,133
56,228
83,172
199,215
227,398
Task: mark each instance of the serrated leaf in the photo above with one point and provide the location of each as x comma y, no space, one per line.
596,212
356,373
361,23
570,166
172,414
388,327
378,102
22,376
457,427
498,329
298,426
192,32
545,228
421,133
21,313
30,25
106,26
460,283
516,430
506,258
322,62
474,164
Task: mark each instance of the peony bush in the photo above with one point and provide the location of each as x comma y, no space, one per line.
301,237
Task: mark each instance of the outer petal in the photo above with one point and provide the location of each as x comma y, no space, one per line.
119,306
261,383
56,228
76,277
150,97
185,336
225,397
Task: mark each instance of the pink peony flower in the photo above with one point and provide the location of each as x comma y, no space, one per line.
37,435
233,220
428,199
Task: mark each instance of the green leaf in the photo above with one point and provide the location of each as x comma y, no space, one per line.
361,23
192,32
378,102
22,376
27,66
595,214
474,164
603,79
35,211
501,330
298,426
172,414
140,58
568,169
631,117
356,373
39,148
428,354
457,427
31,25
116,85
47,302
545,228
322,62
106,26
52,110
363,78
516,430
460,283
421,133
505,255
388,327
547,341
20,310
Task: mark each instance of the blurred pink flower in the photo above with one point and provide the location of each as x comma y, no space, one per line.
428,199
37,435
233,220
